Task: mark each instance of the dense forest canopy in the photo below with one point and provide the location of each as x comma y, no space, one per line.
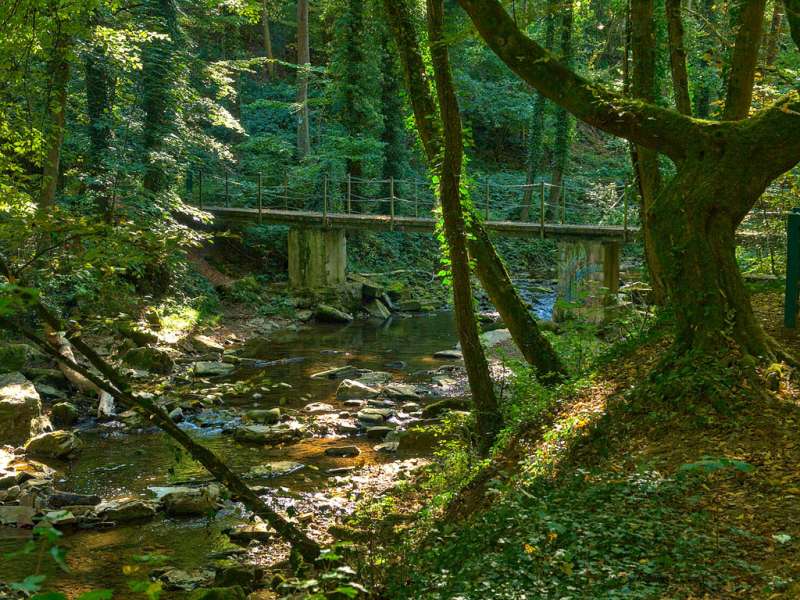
198,197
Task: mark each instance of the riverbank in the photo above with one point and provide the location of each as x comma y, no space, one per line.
602,492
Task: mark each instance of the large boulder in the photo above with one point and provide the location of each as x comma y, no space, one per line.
54,444
153,360
351,389
123,510
437,409
19,406
203,343
282,433
374,378
15,357
264,416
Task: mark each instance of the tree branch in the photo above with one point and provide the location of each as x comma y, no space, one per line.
677,57
661,129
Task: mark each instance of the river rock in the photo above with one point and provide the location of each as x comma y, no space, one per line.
19,405
60,499
377,309
135,332
122,510
281,433
246,533
274,469
184,501
420,439
342,451
379,432
495,337
318,408
351,389
369,418
388,447
345,372
220,593
203,343
268,416
178,579
17,516
64,414
152,360
328,314
409,306
212,368
55,444
231,573
401,391
374,378
449,354
437,409
176,415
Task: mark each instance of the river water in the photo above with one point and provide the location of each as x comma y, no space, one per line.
116,462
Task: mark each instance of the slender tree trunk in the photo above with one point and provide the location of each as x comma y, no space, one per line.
98,110
536,141
488,416
774,37
705,80
56,111
270,66
303,64
645,160
563,118
489,267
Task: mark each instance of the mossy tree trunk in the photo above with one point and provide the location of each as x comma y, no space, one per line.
722,169
489,267
303,63
487,413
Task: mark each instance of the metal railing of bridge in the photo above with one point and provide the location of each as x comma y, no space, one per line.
540,202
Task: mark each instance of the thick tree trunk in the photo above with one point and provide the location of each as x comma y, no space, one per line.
774,36
693,229
303,63
487,413
677,57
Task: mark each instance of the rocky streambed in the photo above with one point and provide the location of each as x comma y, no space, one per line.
316,419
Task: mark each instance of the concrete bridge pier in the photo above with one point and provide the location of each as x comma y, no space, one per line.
317,258
588,279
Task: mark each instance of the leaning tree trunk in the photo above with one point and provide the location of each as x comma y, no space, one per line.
487,413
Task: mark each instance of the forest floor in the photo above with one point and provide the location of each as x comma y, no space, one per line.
609,493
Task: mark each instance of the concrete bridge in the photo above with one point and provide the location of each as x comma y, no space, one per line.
317,243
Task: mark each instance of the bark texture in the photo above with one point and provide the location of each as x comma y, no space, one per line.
303,63
487,413
489,268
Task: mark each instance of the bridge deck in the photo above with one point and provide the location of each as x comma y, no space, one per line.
601,233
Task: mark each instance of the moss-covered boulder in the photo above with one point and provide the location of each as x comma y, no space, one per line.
20,407
64,414
54,444
153,360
